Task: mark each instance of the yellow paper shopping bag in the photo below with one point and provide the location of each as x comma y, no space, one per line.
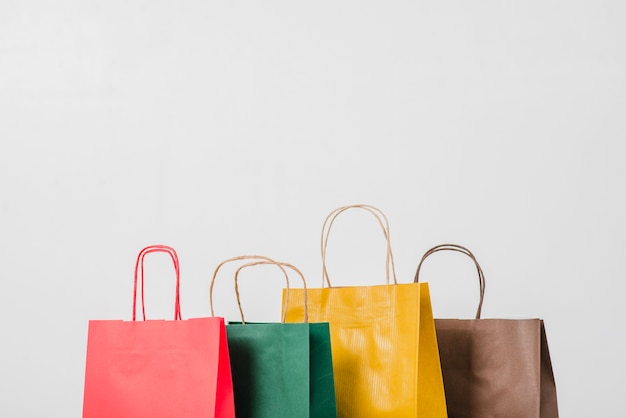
383,340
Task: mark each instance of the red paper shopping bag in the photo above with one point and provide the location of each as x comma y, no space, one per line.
157,368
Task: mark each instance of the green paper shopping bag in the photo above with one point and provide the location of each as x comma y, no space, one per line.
279,370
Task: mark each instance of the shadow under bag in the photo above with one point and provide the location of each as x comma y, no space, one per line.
494,367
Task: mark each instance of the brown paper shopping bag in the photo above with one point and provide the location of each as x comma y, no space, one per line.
494,367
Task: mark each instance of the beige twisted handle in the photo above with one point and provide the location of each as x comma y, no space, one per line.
260,260
280,265
463,250
378,214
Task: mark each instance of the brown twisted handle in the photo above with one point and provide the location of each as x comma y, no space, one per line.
463,250
280,265
238,258
380,217
260,260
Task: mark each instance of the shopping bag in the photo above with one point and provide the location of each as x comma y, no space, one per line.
279,370
494,367
158,368
384,347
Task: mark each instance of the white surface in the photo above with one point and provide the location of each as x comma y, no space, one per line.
235,127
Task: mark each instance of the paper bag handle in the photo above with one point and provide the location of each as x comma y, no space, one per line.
467,252
279,265
140,267
378,214
266,260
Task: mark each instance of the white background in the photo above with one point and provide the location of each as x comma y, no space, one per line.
235,127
